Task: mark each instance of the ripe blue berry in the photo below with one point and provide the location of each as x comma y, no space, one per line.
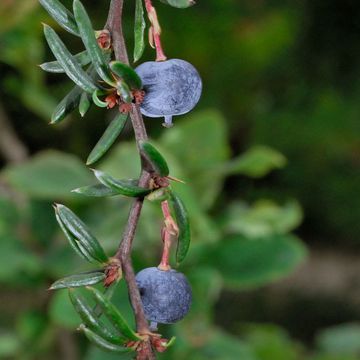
172,87
166,295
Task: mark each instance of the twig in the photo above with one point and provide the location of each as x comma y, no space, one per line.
114,25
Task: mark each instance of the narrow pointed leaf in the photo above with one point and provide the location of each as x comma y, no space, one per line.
139,29
72,240
98,190
123,187
55,67
88,37
85,103
179,3
124,91
83,237
113,314
126,73
102,343
153,158
66,105
182,220
78,280
70,65
108,138
89,318
61,14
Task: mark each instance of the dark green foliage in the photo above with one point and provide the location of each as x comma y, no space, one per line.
126,73
153,160
108,138
123,187
78,280
139,29
182,220
79,235
70,65
88,37
62,15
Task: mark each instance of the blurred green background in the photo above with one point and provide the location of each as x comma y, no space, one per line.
271,155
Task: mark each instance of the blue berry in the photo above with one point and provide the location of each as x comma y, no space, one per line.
166,295
172,87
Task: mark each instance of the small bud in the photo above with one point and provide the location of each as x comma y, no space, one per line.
111,100
103,38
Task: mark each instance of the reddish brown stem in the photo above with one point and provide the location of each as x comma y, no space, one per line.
114,25
156,30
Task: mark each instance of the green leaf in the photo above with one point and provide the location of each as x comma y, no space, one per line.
88,37
91,321
48,175
248,263
126,73
179,3
124,91
107,139
153,158
200,156
85,103
83,237
55,67
271,342
341,339
263,218
10,345
80,250
256,162
78,280
97,101
62,15
139,29
182,220
97,190
102,343
113,314
123,187
70,65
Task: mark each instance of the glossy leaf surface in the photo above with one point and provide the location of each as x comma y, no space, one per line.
154,159
61,14
139,29
88,37
113,314
123,187
108,138
182,220
78,280
55,67
70,65
83,237
90,319
126,73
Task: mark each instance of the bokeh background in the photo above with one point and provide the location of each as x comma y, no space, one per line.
271,157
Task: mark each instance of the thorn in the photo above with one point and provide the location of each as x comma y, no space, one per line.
175,179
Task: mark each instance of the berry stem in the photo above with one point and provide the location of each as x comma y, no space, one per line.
156,31
114,25
170,229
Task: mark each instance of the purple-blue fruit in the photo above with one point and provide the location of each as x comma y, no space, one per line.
172,87
166,295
